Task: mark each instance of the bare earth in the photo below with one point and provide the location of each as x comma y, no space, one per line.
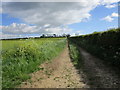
97,74
59,73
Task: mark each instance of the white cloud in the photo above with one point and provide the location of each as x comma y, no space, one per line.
114,15
111,6
111,27
26,29
55,14
0,8
76,32
110,3
46,25
111,17
49,17
19,29
40,0
5,36
108,18
57,30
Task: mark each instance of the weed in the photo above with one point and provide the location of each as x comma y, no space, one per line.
23,57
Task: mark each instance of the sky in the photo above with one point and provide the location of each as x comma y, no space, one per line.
23,19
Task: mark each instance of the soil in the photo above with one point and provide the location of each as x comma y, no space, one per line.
98,75
61,73
58,73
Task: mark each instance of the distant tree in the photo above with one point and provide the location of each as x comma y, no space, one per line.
43,36
68,35
54,35
64,35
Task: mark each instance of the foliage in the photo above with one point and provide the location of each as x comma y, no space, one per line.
75,55
105,45
22,57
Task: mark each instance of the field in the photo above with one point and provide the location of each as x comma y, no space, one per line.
86,61
22,57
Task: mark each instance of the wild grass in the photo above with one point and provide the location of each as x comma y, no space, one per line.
75,55
22,57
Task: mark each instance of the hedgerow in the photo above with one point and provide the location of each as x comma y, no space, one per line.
105,45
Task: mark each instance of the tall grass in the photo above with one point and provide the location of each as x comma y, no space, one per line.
75,55
22,57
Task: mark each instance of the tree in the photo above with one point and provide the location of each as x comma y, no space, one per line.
68,35
54,35
43,36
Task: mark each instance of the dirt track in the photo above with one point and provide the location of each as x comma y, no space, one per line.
97,74
59,73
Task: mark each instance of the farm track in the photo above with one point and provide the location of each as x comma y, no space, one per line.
59,73
97,74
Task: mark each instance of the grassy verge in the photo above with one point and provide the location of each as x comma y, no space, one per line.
78,61
25,57
75,55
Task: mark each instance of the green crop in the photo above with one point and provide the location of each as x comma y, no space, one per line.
22,57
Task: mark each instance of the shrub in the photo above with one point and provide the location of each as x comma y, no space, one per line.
105,45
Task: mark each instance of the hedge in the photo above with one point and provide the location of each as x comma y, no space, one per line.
105,45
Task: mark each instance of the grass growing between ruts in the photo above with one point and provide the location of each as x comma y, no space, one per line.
75,55
22,57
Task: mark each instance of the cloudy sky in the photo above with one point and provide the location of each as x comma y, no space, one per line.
20,19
